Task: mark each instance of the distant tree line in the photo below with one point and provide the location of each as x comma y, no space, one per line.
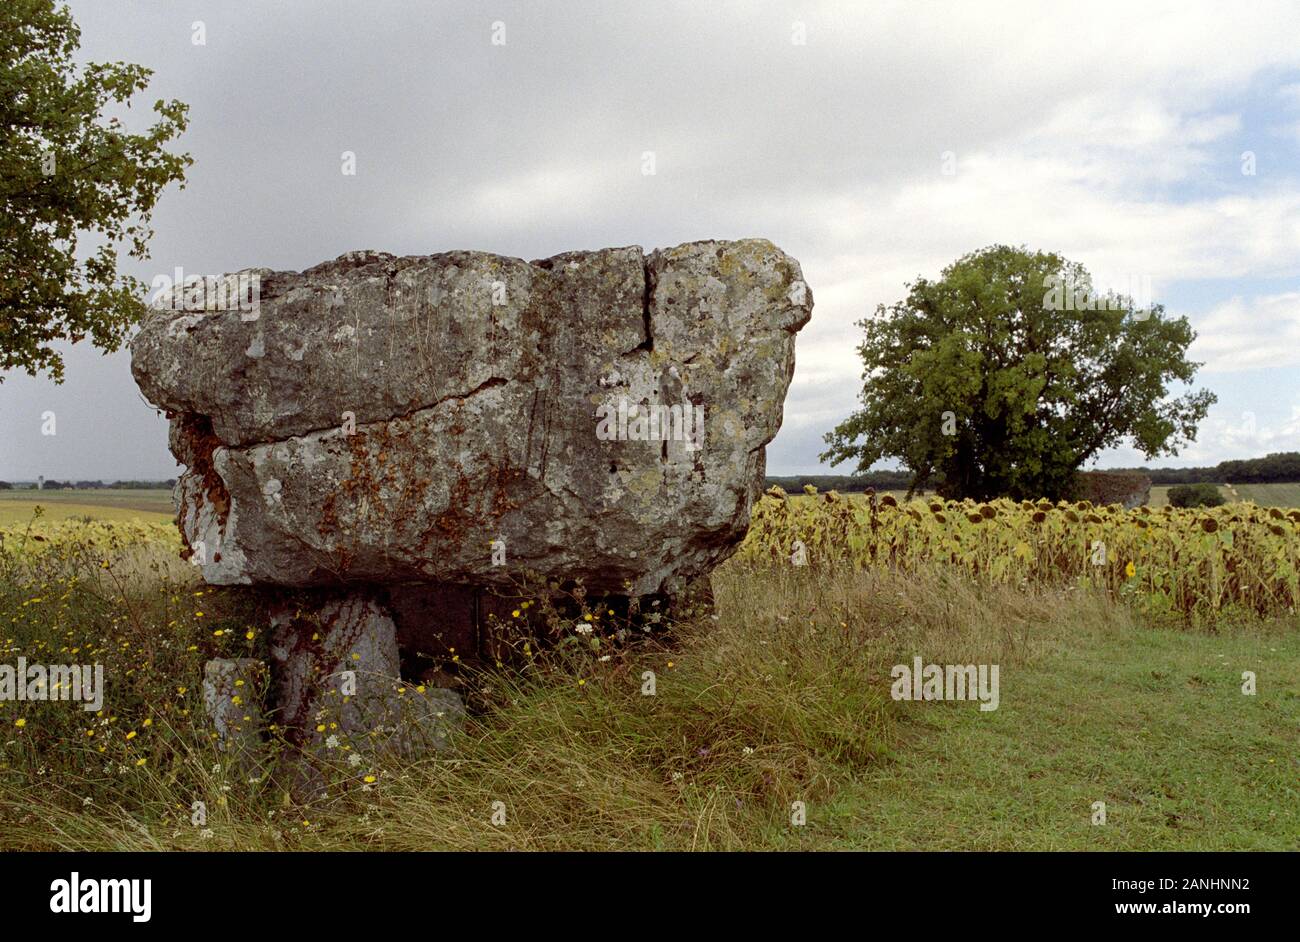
1274,468
844,483
1282,466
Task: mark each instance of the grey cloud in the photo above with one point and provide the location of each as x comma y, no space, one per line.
535,147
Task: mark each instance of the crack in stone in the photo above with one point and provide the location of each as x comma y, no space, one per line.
317,433
648,283
647,302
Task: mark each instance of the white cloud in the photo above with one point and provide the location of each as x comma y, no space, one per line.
1243,435
1249,333
549,193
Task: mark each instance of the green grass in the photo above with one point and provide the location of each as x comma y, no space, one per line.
784,698
16,506
1152,723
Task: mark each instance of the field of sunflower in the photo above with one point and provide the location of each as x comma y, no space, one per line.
1190,564
40,537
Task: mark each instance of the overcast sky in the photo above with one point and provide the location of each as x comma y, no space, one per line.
1111,133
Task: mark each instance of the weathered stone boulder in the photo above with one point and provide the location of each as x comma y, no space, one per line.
459,418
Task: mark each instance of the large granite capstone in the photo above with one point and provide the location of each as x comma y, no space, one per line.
462,417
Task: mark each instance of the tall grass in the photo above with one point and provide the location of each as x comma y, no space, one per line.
781,697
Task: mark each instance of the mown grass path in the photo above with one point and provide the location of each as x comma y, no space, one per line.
1152,722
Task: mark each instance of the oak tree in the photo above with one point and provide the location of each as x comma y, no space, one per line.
70,175
1008,373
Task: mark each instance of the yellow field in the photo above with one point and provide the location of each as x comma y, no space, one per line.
18,512
152,506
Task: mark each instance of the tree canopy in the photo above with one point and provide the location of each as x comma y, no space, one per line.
67,172
1007,373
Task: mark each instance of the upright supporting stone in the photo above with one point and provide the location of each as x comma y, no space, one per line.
232,692
337,682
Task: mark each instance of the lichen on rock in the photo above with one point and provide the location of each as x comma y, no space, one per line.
385,420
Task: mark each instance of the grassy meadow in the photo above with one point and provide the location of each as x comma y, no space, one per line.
782,696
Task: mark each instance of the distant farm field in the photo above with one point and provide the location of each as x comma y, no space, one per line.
1266,495
17,507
